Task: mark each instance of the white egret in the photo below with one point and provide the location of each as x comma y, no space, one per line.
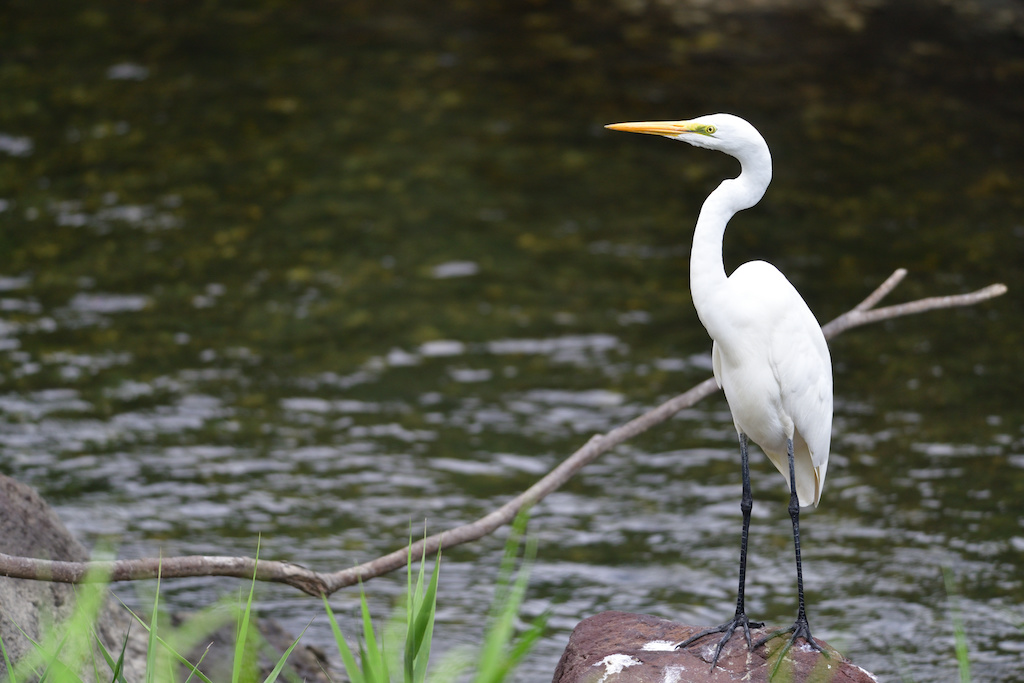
769,354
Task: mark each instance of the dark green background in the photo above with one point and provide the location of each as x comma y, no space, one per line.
220,236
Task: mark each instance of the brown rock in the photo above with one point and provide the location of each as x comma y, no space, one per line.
618,647
29,527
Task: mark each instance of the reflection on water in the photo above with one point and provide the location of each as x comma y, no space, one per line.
317,273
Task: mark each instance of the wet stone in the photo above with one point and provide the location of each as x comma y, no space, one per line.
619,647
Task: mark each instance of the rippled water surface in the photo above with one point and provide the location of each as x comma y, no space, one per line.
314,273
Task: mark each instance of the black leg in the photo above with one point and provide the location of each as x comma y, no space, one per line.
740,619
800,629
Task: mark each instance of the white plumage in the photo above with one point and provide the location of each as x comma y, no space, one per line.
769,354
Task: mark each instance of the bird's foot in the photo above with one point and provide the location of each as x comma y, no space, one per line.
740,620
800,629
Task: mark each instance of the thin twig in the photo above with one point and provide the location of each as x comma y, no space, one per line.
883,290
856,317
316,583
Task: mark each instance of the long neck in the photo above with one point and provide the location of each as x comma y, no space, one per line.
707,270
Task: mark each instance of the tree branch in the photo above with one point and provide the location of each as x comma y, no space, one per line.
315,583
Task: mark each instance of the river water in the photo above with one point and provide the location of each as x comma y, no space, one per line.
314,273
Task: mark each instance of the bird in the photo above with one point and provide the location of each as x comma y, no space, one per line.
769,354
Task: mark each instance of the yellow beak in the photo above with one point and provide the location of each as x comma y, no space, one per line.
670,128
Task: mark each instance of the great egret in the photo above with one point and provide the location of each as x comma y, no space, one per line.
769,354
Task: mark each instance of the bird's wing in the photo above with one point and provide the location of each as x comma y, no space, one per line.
801,363
803,367
771,331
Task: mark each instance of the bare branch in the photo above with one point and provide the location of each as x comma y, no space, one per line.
859,316
883,290
169,567
315,583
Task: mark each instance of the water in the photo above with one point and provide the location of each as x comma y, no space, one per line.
314,273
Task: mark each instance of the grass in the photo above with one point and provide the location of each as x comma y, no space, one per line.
961,654
498,655
963,658
61,651
72,652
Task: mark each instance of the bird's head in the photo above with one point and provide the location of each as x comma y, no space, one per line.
723,132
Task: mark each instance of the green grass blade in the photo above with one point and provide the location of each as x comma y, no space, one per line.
167,647
197,628
374,665
348,660
410,610
194,629
241,639
963,658
422,606
284,657
183,660
38,655
395,630
453,665
95,665
57,671
243,629
195,667
11,677
527,640
497,658
499,631
54,667
75,648
421,633
116,667
508,564
151,649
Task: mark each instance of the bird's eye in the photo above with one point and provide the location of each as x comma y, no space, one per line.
710,130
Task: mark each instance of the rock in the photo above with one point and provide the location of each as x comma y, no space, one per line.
618,647
29,527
